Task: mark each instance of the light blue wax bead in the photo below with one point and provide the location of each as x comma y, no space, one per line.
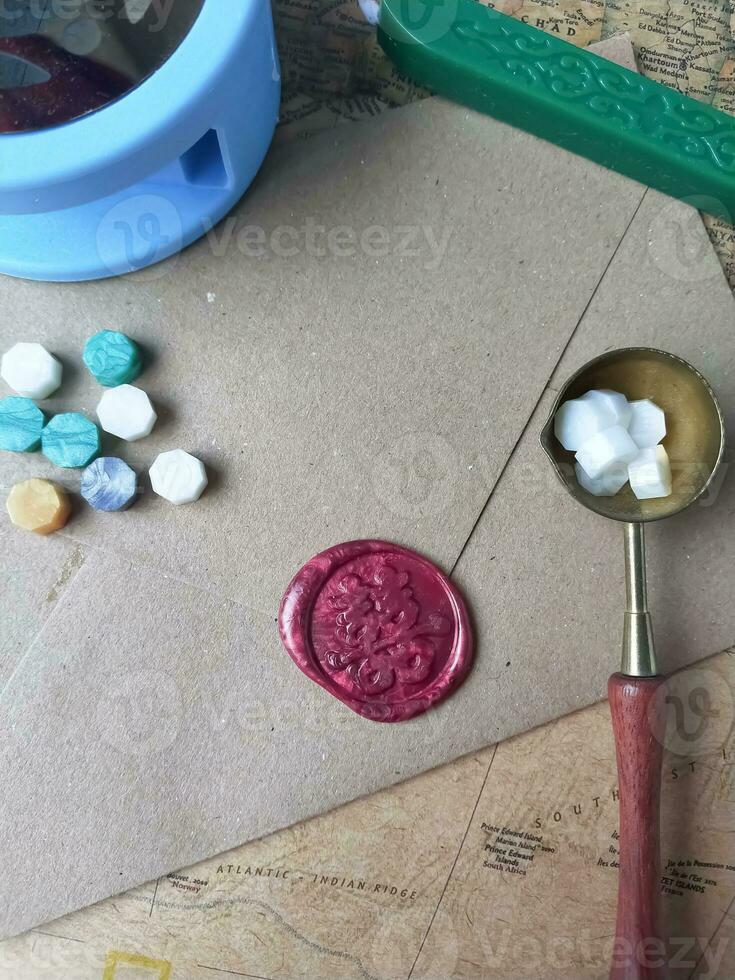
109,484
70,440
112,358
21,424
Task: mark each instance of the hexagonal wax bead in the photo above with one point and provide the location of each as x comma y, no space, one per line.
39,506
21,425
178,477
650,474
112,358
31,371
607,484
614,402
578,419
126,412
607,450
70,440
109,484
648,424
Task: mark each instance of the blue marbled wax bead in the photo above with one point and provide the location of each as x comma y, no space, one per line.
112,358
70,440
21,425
109,484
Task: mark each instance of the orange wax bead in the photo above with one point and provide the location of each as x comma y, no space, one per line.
39,506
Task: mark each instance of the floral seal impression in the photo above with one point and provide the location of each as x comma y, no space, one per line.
379,627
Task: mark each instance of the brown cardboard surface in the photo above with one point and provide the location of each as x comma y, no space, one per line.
155,720
324,390
33,575
199,739
547,574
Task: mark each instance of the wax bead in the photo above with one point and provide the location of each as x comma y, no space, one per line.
126,412
31,371
178,477
607,450
615,403
581,418
70,440
109,484
21,424
112,358
650,474
648,424
607,484
39,506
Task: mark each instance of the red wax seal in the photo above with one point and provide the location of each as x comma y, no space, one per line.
379,627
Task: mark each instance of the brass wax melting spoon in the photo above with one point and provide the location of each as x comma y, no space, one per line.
695,444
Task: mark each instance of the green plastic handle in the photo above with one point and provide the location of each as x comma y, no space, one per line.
541,83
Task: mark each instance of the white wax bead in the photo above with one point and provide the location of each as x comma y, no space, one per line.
615,402
607,450
31,371
580,418
650,473
178,477
126,412
606,485
370,11
648,424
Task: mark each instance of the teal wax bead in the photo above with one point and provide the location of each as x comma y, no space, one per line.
21,425
70,440
112,358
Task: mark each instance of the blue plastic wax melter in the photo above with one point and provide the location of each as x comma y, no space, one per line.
127,127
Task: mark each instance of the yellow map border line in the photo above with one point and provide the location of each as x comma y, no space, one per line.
117,958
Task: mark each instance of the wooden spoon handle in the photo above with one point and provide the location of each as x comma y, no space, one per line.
639,725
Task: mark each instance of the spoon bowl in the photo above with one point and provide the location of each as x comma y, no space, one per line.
695,429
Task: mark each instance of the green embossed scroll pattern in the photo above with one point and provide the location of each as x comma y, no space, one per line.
569,96
608,91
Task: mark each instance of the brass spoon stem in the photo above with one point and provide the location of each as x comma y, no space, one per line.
639,658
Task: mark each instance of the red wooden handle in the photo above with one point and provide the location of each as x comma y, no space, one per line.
639,725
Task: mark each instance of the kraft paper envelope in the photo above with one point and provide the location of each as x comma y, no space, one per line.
368,348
